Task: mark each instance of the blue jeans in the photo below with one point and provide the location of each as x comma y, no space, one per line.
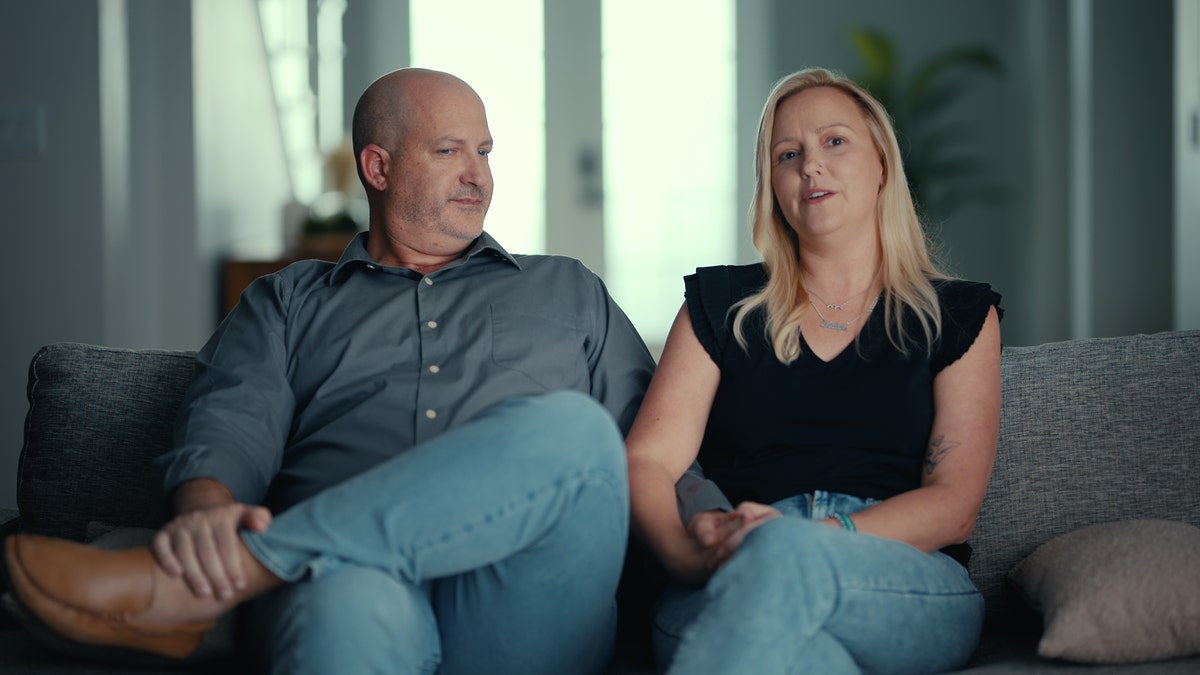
495,547
802,597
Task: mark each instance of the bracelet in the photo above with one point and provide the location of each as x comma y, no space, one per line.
845,521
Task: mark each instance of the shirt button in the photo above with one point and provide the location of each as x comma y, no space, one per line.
434,369
431,324
431,413
370,267
428,281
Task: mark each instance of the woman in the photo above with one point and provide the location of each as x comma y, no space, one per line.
846,394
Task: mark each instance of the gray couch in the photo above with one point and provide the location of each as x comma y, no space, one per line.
1092,431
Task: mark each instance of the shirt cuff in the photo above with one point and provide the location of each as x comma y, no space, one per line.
694,494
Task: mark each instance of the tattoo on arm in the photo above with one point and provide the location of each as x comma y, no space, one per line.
938,449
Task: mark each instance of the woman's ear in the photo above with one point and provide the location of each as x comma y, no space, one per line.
375,162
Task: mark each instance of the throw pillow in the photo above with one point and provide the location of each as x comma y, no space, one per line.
1119,592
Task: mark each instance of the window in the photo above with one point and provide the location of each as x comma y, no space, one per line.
504,65
670,172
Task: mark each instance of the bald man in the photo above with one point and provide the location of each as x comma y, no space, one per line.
435,423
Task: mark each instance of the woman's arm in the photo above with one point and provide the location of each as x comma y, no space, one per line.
959,457
664,441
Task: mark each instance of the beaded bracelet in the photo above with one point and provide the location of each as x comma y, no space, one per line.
845,521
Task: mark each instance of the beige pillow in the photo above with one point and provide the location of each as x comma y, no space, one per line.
1119,592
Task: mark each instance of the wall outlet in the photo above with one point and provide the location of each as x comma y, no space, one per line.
22,130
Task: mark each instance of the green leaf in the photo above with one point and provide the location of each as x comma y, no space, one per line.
879,57
936,67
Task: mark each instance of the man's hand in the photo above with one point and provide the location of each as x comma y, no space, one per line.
202,543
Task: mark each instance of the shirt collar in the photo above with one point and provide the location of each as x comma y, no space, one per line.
356,254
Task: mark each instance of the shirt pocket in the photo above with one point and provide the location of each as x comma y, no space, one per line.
547,347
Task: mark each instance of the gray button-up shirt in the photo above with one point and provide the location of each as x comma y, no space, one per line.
324,370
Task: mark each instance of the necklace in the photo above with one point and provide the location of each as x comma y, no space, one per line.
835,305
831,325
838,305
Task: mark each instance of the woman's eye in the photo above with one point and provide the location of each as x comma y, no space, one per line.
837,140
784,156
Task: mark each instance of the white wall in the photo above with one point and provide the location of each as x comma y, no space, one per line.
242,184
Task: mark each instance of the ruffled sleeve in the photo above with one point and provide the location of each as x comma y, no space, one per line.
965,306
710,292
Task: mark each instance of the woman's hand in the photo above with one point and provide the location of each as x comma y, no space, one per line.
714,536
752,515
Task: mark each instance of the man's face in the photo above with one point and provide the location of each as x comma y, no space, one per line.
440,183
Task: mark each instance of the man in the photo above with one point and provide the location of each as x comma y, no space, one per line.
432,421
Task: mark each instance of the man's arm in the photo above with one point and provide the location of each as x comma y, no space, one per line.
621,372
619,363
229,440
234,420
695,494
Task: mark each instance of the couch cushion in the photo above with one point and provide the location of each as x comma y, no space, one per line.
1120,592
97,418
1091,431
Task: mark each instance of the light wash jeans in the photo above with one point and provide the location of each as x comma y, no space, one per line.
802,597
494,548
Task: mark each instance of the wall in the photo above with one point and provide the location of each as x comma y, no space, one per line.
50,200
977,241
1132,190
1099,233
151,171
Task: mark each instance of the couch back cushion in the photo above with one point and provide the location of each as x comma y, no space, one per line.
97,418
1091,431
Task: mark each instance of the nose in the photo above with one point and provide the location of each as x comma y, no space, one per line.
813,165
477,171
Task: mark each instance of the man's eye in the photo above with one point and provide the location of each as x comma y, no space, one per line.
484,153
446,151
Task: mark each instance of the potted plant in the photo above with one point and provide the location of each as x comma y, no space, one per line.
942,172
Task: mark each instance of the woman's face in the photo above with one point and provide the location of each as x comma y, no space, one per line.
825,171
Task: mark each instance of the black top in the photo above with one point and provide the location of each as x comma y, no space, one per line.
858,424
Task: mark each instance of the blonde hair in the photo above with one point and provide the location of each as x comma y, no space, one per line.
907,268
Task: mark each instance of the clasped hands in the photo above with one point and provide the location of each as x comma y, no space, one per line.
713,538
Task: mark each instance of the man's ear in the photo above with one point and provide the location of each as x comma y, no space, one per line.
375,163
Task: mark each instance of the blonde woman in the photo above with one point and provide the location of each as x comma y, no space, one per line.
845,394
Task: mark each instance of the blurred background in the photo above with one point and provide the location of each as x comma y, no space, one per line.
155,155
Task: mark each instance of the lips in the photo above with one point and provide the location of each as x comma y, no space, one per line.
816,195
470,199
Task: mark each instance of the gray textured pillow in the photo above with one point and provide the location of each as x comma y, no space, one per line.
1119,592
